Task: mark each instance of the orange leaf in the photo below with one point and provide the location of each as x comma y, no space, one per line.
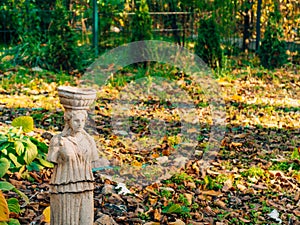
136,163
157,215
4,212
155,155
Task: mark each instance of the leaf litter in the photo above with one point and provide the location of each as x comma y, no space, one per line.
255,177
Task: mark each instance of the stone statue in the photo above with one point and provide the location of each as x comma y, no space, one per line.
72,152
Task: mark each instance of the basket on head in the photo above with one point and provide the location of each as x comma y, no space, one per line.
76,98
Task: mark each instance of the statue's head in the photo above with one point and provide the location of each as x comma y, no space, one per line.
74,121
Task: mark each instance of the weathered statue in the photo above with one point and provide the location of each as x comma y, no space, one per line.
73,151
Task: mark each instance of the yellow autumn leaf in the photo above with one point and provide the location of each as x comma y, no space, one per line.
46,215
4,212
236,98
136,163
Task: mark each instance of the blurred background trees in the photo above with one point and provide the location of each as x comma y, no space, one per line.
36,33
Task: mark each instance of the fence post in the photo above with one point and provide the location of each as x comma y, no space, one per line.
95,26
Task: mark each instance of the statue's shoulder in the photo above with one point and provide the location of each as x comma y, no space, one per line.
90,138
55,139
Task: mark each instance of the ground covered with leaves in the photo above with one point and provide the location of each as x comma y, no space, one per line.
253,179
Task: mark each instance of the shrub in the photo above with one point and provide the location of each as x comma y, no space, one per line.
208,46
45,39
141,30
272,52
141,23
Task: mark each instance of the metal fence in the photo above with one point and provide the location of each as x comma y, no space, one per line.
114,28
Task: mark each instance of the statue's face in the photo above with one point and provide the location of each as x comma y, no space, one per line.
77,122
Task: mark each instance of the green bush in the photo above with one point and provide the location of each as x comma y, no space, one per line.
141,28
141,25
62,50
272,52
208,46
45,39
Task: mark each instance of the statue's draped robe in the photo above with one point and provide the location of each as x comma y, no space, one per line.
71,185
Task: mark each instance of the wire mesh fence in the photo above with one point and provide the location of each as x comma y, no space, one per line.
180,27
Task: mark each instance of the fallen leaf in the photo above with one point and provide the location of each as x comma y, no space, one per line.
152,223
189,198
4,212
221,204
227,185
297,212
212,193
157,215
244,220
177,222
241,187
46,215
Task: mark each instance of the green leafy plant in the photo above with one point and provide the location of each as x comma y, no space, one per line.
295,154
143,216
254,171
182,199
45,39
24,122
141,22
179,178
165,193
272,52
208,46
4,166
141,29
19,152
11,205
212,184
63,52
172,208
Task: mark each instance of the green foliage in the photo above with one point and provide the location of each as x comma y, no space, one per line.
272,52
285,166
166,194
13,203
141,22
13,222
172,208
143,216
179,178
19,152
212,184
208,46
112,10
45,38
63,52
182,199
295,154
254,171
24,122
4,166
